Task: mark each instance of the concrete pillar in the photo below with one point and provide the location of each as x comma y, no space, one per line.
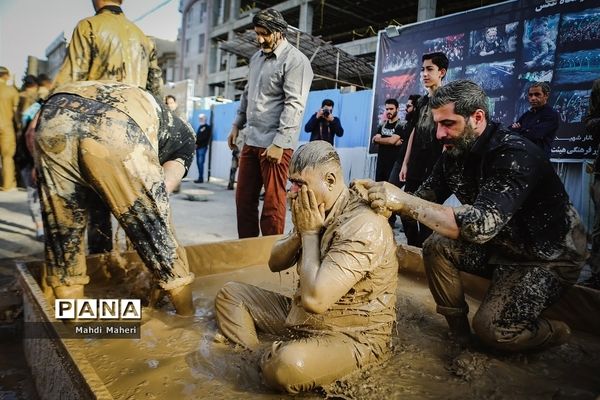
426,9
306,17
234,9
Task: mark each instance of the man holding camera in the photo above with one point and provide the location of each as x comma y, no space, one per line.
322,125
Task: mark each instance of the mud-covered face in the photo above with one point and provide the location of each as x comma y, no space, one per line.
266,39
313,179
536,97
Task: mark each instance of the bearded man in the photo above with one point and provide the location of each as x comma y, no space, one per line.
516,225
270,112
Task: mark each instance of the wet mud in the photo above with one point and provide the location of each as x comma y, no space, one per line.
186,357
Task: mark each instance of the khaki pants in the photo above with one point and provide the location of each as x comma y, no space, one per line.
509,315
8,146
88,149
307,359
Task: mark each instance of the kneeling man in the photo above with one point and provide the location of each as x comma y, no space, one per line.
516,225
341,316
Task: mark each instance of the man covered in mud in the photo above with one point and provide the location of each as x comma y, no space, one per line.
516,225
341,316
117,142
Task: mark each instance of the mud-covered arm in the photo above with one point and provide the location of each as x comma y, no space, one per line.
285,252
76,66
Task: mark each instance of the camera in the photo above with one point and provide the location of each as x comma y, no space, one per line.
326,112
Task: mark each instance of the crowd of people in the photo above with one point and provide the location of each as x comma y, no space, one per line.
104,138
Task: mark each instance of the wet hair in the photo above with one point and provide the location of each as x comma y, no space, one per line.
542,85
327,102
271,20
438,59
392,101
314,154
3,71
466,95
170,96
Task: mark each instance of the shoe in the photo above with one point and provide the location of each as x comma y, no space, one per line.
199,181
261,197
40,238
230,186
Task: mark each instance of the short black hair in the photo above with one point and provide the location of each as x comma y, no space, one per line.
43,78
29,81
392,101
414,98
327,102
437,58
170,96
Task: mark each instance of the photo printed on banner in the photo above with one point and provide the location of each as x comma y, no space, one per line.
539,42
578,67
401,60
580,29
453,46
492,76
492,40
571,105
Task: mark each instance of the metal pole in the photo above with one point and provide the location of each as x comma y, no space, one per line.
337,68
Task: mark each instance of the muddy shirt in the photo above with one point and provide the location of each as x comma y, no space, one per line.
512,198
272,105
426,149
357,244
108,46
172,138
9,99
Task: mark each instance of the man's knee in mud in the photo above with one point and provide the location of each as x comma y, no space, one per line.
283,367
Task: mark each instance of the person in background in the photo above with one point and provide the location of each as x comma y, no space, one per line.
323,125
423,150
171,103
540,123
9,100
515,226
388,140
341,317
203,138
27,96
44,86
592,127
270,112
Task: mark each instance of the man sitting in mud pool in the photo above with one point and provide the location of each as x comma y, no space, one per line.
110,139
341,316
515,226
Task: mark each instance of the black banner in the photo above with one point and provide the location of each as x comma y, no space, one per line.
504,48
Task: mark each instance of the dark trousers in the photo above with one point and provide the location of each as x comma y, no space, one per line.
415,232
255,171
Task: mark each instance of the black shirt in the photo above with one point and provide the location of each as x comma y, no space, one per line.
426,149
539,126
512,198
203,135
321,129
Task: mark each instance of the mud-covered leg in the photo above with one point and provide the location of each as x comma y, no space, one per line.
509,317
444,259
242,310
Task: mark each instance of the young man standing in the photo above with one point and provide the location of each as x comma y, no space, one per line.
388,140
423,149
323,125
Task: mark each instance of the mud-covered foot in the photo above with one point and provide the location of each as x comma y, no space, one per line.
181,298
69,292
559,333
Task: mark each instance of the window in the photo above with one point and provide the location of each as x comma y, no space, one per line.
187,46
186,73
202,11
201,43
199,70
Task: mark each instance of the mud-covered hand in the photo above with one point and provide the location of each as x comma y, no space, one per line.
308,215
383,197
273,153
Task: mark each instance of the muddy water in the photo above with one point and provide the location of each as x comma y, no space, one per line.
180,358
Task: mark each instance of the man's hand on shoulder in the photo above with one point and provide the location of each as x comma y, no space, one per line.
273,153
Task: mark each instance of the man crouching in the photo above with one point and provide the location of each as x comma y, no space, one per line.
342,313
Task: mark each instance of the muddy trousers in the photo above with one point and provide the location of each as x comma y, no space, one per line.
256,172
8,147
301,363
509,316
87,149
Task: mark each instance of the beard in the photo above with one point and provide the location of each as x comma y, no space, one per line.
462,144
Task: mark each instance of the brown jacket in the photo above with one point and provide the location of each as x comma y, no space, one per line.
108,46
9,99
